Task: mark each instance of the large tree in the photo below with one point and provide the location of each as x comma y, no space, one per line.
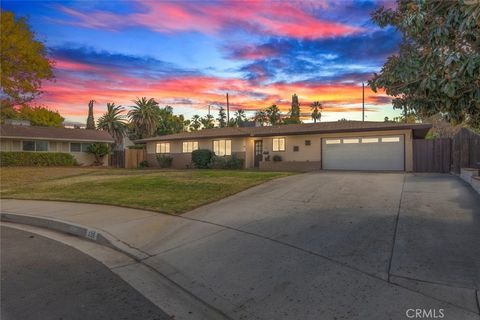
260,117
144,116
316,108
195,123
24,62
114,122
207,121
294,113
38,116
273,115
170,123
437,69
222,118
90,119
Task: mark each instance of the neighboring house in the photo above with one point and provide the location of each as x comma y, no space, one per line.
49,139
343,145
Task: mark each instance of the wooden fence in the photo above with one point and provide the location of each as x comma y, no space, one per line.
117,159
432,155
133,157
465,150
128,158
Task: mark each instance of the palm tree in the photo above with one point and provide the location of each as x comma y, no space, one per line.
260,117
316,107
145,116
113,121
273,114
195,124
207,122
240,117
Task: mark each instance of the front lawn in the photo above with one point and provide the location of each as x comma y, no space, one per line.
169,191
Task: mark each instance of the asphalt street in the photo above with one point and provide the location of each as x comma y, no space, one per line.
45,279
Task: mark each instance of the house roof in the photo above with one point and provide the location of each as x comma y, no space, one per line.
419,130
51,133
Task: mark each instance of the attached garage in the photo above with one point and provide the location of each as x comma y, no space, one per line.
364,153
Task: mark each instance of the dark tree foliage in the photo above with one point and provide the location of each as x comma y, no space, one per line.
90,119
438,67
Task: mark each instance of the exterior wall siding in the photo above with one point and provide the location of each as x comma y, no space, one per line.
83,158
307,158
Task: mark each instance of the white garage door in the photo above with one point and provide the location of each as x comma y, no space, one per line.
364,153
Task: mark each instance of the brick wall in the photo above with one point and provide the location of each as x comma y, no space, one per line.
301,166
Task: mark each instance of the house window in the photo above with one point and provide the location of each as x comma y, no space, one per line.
28,146
369,140
347,141
79,147
222,147
75,147
189,146
296,148
391,139
308,142
163,147
332,141
278,144
35,146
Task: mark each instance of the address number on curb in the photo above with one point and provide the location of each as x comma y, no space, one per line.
91,234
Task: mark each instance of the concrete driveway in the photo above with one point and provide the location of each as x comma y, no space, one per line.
326,245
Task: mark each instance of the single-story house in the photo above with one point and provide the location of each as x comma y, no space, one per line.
48,139
342,145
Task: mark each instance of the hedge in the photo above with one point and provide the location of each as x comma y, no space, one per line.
201,158
39,159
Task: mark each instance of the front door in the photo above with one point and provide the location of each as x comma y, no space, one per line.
258,153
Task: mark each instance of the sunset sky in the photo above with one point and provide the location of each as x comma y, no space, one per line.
188,54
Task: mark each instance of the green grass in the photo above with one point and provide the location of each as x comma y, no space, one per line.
169,191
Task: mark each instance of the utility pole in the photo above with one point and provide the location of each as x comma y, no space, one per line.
208,110
363,101
228,111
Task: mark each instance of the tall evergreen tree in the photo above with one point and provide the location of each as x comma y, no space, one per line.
295,109
273,114
222,118
90,119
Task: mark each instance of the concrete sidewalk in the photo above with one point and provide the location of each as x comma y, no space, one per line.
247,264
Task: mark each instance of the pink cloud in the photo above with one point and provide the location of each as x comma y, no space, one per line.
264,17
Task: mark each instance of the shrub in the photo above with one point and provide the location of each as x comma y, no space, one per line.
201,158
40,159
143,164
229,162
277,158
99,150
164,161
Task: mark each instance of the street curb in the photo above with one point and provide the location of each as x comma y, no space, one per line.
98,236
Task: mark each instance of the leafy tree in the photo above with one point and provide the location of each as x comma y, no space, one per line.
90,119
222,118
38,115
99,150
273,115
260,117
294,111
41,116
144,117
195,123
24,62
207,122
170,123
316,108
113,121
438,67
